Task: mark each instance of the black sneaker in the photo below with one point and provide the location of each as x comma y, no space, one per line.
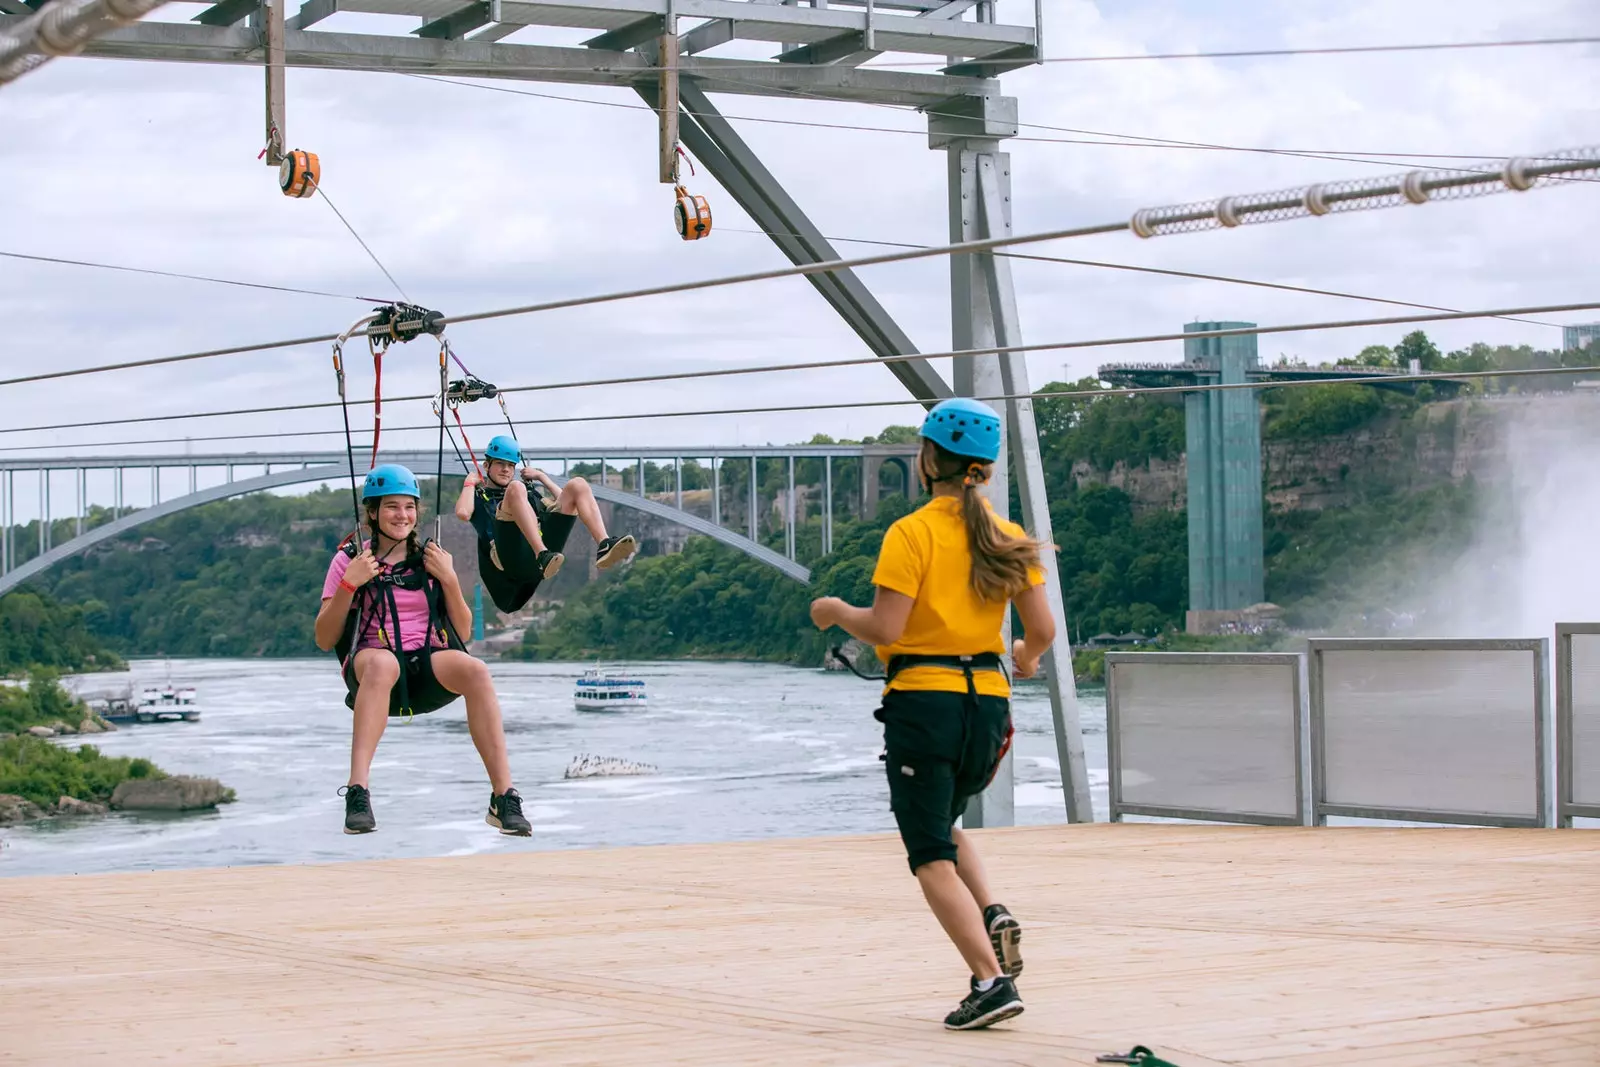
615,550
358,810
986,1007
549,563
1005,934
505,812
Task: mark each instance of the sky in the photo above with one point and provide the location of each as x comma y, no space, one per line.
478,199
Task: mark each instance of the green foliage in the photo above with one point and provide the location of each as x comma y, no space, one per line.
35,769
712,601
39,703
235,578
36,630
1121,571
1324,565
1326,410
1108,429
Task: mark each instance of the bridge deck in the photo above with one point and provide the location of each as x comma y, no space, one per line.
1288,947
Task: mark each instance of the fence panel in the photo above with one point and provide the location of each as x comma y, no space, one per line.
1429,731
1205,735
1577,721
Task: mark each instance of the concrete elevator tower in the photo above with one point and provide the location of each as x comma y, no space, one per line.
1223,432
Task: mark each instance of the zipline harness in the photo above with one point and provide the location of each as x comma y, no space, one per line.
417,690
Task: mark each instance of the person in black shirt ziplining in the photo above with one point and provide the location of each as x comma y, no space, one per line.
520,536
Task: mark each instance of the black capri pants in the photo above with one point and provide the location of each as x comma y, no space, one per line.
942,749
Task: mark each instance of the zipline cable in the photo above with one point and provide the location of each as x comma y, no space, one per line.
1129,140
1414,187
856,361
1065,394
1254,53
1165,272
191,277
364,246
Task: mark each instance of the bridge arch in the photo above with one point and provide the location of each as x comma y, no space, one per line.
329,473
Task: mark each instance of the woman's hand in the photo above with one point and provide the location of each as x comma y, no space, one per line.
1021,664
437,562
825,611
362,569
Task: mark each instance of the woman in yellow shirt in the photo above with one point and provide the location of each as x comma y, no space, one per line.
944,578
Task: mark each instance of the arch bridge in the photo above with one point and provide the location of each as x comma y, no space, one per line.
727,497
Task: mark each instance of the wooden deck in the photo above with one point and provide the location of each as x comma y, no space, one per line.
1215,945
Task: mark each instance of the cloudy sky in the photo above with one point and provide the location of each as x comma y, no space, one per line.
479,199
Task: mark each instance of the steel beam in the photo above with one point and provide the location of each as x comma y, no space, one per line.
667,109
272,33
183,42
457,24
630,36
724,153
227,13
972,326
994,184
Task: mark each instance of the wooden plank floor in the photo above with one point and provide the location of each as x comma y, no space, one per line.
1215,945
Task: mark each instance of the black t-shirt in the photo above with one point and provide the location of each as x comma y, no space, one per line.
485,503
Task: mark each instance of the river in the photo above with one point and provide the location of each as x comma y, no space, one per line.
743,751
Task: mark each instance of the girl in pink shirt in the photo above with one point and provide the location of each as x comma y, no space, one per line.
396,606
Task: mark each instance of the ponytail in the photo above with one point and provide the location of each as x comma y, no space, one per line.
1000,562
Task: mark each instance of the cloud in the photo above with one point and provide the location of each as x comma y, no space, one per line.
477,199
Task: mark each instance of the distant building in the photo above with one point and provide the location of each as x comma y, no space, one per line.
1580,336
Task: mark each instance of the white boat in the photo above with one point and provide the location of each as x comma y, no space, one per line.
608,691
167,704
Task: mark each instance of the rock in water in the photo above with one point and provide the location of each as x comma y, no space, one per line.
180,793
15,809
41,731
74,806
89,726
587,766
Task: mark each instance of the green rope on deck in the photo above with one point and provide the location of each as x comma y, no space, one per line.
1139,1055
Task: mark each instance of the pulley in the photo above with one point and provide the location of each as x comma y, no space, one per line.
466,391
403,322
691,214
299,173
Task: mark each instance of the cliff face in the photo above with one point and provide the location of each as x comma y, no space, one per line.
1441,443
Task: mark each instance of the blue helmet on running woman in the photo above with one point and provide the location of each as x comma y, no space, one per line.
964,427
504,449
391,479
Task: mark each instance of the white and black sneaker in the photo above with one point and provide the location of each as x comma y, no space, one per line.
615,550
1005,934
505,814
358,817
985,1007
549,563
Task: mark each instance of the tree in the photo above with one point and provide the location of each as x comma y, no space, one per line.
1416,346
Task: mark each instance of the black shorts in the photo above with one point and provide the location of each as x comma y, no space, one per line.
513,582
942,750
417,685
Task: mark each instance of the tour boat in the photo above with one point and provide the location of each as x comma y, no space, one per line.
608,691
167,704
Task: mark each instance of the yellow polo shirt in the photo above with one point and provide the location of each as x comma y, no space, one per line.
925,556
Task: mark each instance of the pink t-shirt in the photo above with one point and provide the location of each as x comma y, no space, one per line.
411,603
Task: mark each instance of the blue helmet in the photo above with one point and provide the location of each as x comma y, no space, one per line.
391,479
504,449
964,427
